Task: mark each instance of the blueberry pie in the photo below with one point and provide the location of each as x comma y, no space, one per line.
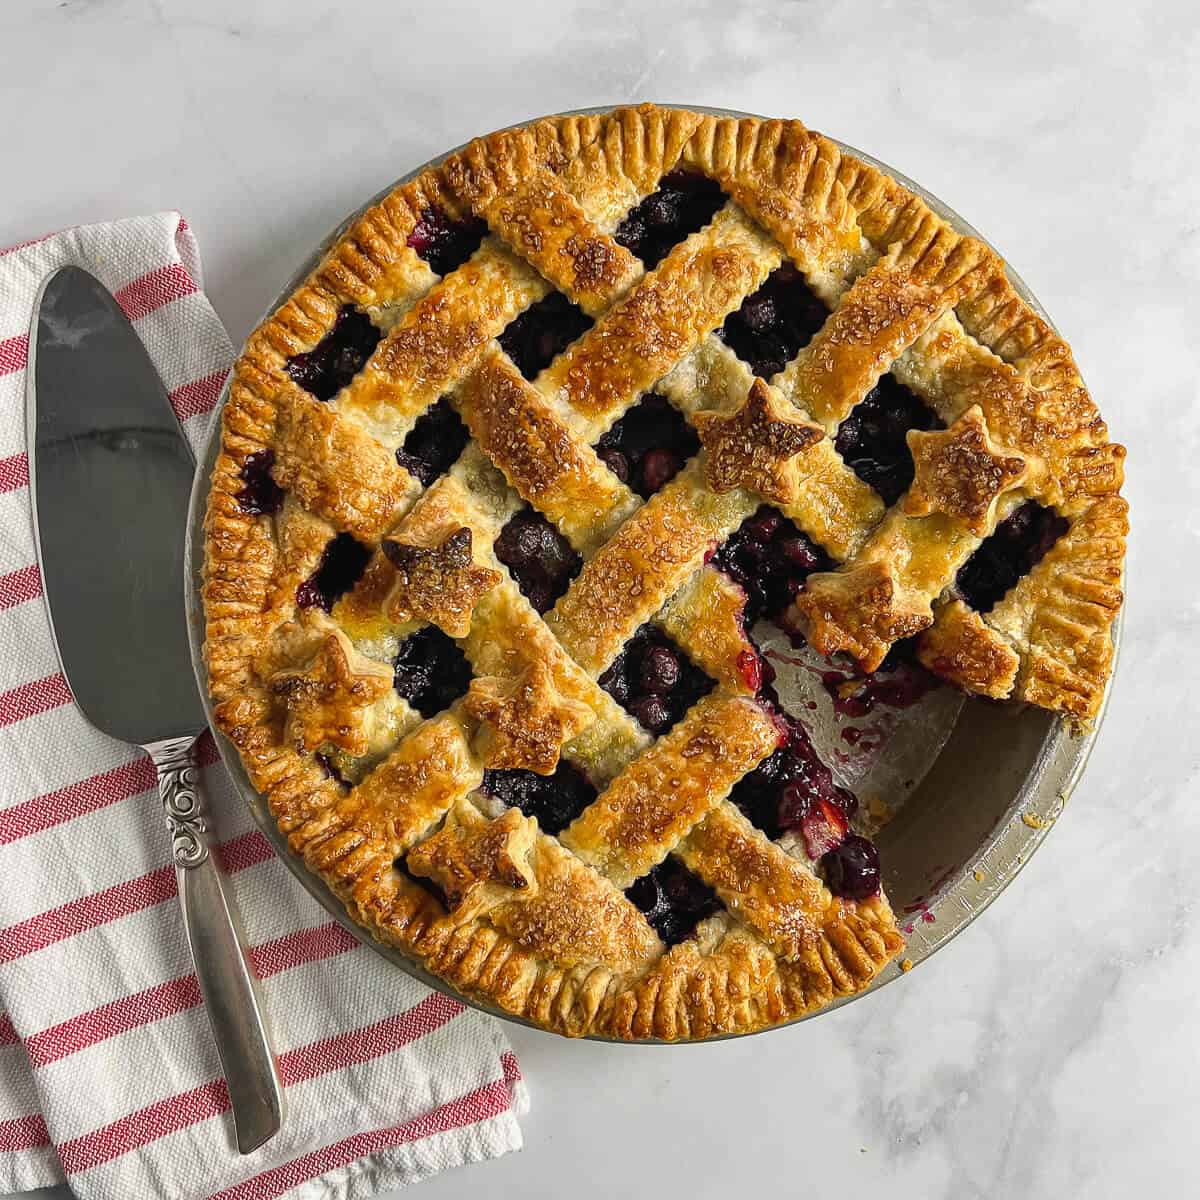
502,487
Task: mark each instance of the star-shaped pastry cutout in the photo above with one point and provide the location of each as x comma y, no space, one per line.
756,446
524,720
960,471
441,584
478,863
859,611
326,700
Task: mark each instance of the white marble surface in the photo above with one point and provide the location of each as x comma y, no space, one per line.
1052,1050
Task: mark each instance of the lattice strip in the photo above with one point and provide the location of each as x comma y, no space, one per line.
880,316
336,470
437,340
648,809
834,507
663,317
772,892
399,802
645,562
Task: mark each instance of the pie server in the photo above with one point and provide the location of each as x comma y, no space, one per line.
110,473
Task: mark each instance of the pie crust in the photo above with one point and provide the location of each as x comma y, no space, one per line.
536,924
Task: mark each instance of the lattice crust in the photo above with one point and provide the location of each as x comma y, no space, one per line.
409,834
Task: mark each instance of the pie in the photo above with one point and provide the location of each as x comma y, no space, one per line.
502,486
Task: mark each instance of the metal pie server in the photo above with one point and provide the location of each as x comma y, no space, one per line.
110,474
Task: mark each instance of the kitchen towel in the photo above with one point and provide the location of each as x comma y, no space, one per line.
108,1075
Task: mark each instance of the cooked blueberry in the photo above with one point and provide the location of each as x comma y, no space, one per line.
660,670
539,558
852,868
775,323
673,900
770,558
654,680
763,525
1014,548
659,467
872,438
652,713
444,243
342,562
434,443
800,552
543,332
684,203
431,672
616,462
261,493
338,356
555,800
648,445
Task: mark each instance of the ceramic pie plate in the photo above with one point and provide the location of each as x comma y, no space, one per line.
984,806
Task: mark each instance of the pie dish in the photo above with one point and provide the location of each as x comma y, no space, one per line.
500,485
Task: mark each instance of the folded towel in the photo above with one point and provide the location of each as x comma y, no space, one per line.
108,1075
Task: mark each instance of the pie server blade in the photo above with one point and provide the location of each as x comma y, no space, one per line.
110,475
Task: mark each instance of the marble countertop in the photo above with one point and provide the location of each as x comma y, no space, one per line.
1052,1049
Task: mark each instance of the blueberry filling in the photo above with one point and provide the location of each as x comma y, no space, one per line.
556,800
431,672
654,680
770,558
673,900
434,443
540,559
444,243
647,447
851,869
1014,548
872,440
335,360
342,563
543,332
261,493
775,323
792,787
685,202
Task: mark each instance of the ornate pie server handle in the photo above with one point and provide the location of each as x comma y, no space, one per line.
213,933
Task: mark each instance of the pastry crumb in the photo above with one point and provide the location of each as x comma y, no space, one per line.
906,964
1033,820
978,875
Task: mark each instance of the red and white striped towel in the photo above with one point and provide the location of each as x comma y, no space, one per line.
108,1075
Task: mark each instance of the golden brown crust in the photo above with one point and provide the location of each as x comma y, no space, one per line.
477,863
541,459
568,950
961,648
860,611
440,583
1061,612
337,471
650,807
524,720
664,317
326,699
756,447
961,472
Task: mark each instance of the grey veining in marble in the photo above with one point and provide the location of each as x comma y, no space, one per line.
1053,1049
